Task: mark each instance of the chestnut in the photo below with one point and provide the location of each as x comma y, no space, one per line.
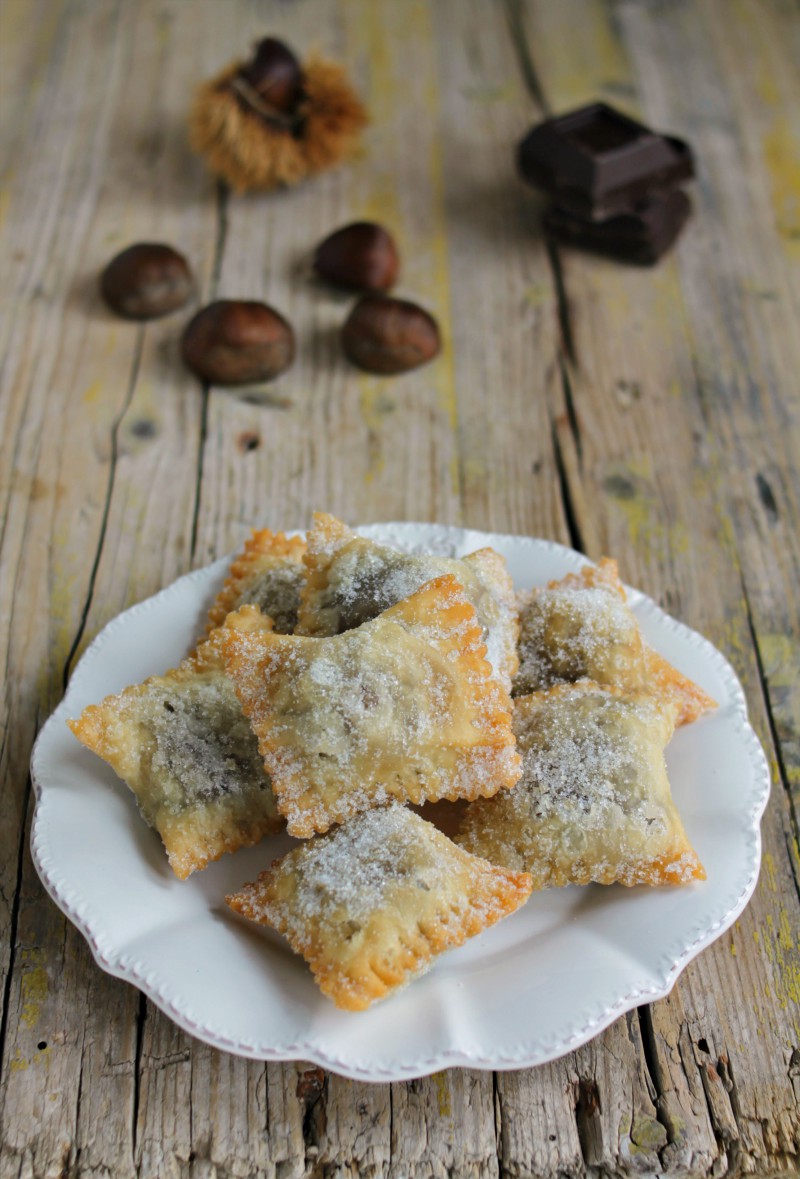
275,74
388,336
147,280
235,342
362,255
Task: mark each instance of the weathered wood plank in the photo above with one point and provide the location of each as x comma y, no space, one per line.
69,1085
66,379
444,1125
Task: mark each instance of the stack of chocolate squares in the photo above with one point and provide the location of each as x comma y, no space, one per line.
613,182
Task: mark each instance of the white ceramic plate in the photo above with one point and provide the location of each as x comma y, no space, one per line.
532,988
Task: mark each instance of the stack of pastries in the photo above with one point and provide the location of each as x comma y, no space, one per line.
341,683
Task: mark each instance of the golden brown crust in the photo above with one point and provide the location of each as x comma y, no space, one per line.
669,684
263,552
603,575
215,830
239,145
182,745
370,905
401,707
326,538
581,626
593,803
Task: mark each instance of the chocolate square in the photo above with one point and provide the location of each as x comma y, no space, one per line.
642,235
596,162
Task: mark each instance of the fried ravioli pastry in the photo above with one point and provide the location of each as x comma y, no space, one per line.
581,627
593,802
403,707
372,903
182,744
351,580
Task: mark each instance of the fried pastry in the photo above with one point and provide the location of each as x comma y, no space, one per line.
403,707
268,573
582,627
370,905
184,747
593,802
351,580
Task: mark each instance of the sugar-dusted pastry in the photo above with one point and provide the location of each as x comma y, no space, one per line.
370,905
593,802
184,747
352,579
268,573
404,707
582,627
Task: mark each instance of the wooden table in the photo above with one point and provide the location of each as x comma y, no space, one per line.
649,414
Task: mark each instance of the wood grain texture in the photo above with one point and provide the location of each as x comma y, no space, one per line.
650,414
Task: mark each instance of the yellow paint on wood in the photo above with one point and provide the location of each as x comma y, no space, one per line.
781,143
93,394
782,158
34,987
442,1094
585,54
647,1134
780,946
5,204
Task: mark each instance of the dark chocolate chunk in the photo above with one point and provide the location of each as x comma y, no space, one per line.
596,162
643,235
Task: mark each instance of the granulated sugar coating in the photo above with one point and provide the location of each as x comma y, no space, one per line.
372,903
403,706
352,580
184,747
580,628
594,802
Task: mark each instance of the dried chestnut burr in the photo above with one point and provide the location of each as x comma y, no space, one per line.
147,280
275,75
388,336
235,342
362,256
272,120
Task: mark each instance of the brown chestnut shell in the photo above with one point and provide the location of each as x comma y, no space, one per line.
275,74
237,342
147,280
388,336
362,256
